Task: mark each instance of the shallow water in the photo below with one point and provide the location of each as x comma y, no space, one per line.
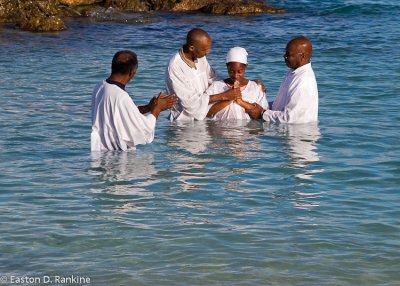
206,203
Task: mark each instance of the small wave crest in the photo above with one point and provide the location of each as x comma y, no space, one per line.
362,9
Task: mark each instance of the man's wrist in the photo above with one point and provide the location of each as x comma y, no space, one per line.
262,112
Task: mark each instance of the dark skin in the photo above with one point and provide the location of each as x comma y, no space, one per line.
156,105
297,54
198,45
236,72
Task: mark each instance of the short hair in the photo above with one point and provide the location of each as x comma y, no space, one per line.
123,62
194,35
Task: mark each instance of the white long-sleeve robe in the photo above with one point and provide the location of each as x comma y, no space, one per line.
297,99
117,123
189,84
251,93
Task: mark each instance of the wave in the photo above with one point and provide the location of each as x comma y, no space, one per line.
343,7
364,9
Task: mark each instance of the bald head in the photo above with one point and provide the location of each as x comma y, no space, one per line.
198,44
302,45
298,52
196,36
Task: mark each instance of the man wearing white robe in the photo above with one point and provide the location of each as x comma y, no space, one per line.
189,74
117,123
297,98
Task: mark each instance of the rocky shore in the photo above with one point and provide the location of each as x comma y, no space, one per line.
49,15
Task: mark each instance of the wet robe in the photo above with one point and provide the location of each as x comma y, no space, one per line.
251,93
297,99
117,123
188,81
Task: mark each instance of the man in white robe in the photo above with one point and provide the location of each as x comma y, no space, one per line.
297,98
189,74
117,123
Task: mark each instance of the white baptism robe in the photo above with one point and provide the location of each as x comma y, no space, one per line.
189,83
297,98
117,123
251,93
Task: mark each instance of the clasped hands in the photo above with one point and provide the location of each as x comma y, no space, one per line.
161,102
253,109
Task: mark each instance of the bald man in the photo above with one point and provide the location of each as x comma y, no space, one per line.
117,123
297,98
189,74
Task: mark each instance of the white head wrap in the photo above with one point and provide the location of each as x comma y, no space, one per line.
237,54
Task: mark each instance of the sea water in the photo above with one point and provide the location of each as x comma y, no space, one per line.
207,203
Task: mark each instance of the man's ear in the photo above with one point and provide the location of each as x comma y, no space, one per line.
191,48
132,72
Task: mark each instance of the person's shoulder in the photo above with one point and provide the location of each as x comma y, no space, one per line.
252,83
220,82
203,61
174,58
114,90
99,84
98,87
305,70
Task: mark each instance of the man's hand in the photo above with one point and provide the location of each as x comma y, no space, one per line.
232,94
161,102
255,111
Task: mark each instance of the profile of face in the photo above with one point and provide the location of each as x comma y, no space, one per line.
236,71
293,56
201,48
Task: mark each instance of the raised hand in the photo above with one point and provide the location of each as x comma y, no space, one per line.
161,102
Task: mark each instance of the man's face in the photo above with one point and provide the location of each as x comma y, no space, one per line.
202,48
292,56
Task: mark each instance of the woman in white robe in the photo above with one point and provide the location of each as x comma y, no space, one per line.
236,62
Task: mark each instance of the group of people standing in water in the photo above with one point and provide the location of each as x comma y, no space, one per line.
196,91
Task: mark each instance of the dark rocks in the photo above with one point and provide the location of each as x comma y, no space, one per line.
78,2
8,11
39,16
46,15
240,8
32,15
127,5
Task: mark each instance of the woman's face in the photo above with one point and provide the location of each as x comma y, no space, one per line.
236,71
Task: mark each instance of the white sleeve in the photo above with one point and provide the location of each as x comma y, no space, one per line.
216,87
261,98
195,103
212,74
134,128
299,108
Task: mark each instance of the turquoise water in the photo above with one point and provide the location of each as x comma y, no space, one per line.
206,203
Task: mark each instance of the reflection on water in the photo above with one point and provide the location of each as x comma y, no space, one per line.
124,179
239,138
300,141
207,147
122,166
193,137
